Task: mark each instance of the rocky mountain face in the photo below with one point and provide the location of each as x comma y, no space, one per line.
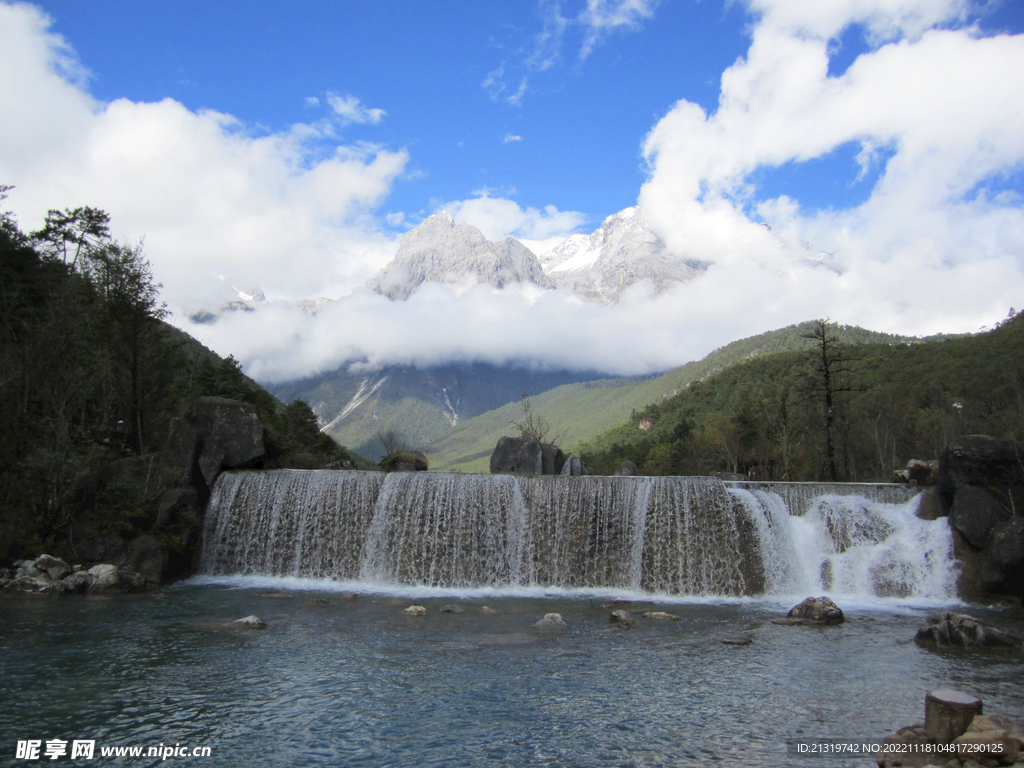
597,267
600,266
441,251
420,406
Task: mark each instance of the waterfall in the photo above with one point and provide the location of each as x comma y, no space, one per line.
665,535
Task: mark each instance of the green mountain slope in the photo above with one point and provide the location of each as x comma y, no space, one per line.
422,407
580,412
765,416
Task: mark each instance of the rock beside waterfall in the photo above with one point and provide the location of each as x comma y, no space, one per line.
452,609
551,621
627,469
415,610
661,616
975,512
526,456
919,472
487,610
250,622
817,610
958,630
217,433
622,618
980,460
573,466
52,576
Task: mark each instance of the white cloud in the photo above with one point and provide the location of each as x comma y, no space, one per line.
351,110
499,217
547,44
291,210
601,17
494,83
924,252
312,101
933,247
511,137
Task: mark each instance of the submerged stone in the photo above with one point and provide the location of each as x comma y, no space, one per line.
415,610
551,621
621,618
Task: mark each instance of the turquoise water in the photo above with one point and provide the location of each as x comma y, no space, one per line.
354,682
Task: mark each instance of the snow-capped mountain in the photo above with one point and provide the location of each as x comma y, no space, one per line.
231,299
439,250
600,266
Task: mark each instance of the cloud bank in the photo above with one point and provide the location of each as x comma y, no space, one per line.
291,211
930,110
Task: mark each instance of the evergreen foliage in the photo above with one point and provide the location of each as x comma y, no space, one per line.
90,375
766,417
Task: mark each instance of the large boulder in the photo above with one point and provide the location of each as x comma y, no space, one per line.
53,567
517,456
817,610
981,460
957,630
552,459
1002,564
216,434
526,456
975,512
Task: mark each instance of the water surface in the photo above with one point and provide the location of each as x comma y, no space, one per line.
354,682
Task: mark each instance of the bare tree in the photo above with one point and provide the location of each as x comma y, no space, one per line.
532,424
390,442
828,384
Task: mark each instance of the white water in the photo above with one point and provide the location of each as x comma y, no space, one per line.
677,538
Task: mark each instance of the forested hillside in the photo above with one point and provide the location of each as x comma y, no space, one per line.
90,374
781,417
581,412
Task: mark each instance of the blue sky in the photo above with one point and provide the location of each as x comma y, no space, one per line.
580,122
289,145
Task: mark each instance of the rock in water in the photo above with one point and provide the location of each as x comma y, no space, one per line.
551,621
621,618
661,616
947,714
817,610
487,610
958,630
415,610
452,609
250,622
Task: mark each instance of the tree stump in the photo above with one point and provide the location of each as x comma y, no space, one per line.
947,714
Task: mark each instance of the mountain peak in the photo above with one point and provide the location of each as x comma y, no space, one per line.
441,251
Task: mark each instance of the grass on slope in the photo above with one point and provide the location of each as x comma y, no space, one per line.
579,413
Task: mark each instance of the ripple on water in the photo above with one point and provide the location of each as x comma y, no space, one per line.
353,682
